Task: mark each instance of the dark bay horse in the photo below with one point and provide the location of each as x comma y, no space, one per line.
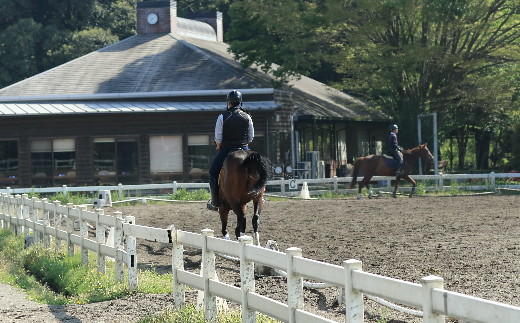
372,165
242,179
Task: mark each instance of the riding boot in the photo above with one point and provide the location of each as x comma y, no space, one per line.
213,189
399,170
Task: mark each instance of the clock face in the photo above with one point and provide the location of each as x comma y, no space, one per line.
152,19
288,169
278,170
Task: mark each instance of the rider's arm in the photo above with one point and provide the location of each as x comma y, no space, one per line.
219,129
251,131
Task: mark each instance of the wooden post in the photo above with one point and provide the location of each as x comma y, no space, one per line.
118,239
174,187
131,250
83,233
492,180
100,239
46,223
35,219
120,190
294,284
208,264
57,225
177,264
353,299
70,229
247,279
428,284
18,214
336,184
25,215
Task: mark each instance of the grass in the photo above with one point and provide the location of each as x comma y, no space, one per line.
189,314
50,277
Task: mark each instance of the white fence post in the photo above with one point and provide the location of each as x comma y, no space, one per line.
177,264
247,279
35,219
208,272
353,299
492,180
18,214
294,284
120,190
70,230
2,197
441,183
25,214
57,224
428,284
100,239
118,239
336,184
282,187
83,233
174,187
64,190
46,223
131,250
388,183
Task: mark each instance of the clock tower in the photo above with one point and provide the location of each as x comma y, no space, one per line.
156,17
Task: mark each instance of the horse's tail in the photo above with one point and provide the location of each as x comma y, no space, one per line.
356,171
261,165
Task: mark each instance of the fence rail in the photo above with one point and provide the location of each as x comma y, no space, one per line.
21,214
283,184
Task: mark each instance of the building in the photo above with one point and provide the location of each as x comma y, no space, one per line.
143,110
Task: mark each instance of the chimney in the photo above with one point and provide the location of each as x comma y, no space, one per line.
156,17
212,18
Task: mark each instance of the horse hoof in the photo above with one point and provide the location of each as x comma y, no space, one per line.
370,196
227,237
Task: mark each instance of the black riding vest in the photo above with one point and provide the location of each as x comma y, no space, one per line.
236,128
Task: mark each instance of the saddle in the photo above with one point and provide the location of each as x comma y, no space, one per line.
388,156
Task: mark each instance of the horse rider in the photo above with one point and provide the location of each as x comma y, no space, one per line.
395,150
233,131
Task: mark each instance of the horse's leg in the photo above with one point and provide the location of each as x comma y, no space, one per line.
241,218
397,180
257,203
369,191
223,211
409,179
364,183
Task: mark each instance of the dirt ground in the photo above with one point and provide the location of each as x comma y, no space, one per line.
473,242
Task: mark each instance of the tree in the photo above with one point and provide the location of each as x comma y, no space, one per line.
36,35
409,57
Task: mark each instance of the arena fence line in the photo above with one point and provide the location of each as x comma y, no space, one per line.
283,185
20,214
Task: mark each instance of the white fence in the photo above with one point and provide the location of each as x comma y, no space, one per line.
21,214
285,191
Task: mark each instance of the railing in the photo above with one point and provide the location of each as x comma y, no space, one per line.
283,184
20,214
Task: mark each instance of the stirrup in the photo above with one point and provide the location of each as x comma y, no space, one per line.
399,172
211,207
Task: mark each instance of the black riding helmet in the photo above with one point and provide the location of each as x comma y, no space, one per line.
393,127
234,97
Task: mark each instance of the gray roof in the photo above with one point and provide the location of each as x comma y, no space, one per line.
17,109
171,62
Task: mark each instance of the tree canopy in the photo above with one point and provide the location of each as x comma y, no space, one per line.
36,35
409,57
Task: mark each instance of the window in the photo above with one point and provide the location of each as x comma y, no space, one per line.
53,162
200,157
116,161
166,158
9,173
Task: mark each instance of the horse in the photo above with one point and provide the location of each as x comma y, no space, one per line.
243,178
372,165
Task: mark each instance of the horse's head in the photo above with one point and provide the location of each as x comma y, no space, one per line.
425,153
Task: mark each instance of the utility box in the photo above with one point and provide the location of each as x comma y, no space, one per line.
104,199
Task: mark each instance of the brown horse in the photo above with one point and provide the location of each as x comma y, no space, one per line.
242,179
372,165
